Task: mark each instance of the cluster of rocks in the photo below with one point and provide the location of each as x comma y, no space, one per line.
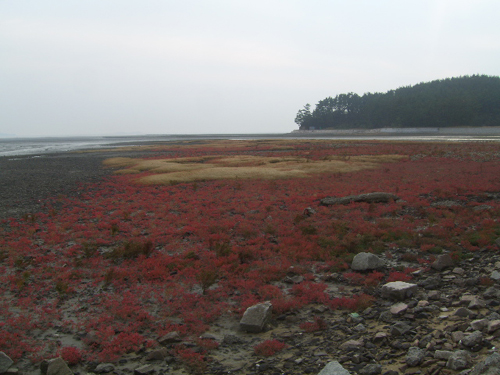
443,323
446,320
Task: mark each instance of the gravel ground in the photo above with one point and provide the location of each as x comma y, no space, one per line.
27,181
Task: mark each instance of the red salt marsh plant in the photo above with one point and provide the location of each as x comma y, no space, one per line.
269,348
126,261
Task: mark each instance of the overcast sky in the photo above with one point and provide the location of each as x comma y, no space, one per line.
222,66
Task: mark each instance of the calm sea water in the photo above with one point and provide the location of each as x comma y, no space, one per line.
39,146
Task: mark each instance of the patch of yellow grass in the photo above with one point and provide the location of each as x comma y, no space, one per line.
168,171
222,144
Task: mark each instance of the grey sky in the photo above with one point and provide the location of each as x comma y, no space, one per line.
222,66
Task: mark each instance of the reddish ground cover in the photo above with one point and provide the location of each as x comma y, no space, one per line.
125,264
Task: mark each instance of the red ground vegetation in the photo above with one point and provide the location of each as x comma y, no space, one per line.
125,263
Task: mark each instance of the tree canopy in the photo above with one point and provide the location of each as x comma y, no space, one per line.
460,101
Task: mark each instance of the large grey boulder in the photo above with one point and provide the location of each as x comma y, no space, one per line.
376,197
5,362
256,316
366,261
490,366
333,368
398,290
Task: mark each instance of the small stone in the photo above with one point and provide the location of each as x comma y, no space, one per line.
371,369
463,312
398,290
297,279
360,328
495,275
493,326
144,370
399,308
474,339
170,338
457,336
479,324
490,366
466,299
459,360
256,317
430,283
333,368
434,295
57,366
12,371
5,362
423,303
415,356
386,316
399,329
443,261
379,337
492,292
104,367
442,354
157,355
476,304
352,345
458,271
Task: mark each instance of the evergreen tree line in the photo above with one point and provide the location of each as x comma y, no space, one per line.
460,101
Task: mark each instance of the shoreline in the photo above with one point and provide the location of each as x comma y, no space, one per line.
451,131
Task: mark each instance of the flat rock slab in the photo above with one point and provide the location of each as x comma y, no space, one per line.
366,261
256,316
398,290
376,197
333,368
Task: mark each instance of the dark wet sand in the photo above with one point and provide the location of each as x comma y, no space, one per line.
26,182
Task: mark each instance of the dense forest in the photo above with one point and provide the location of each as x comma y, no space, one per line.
460,101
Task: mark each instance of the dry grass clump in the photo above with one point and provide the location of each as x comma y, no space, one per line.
168,171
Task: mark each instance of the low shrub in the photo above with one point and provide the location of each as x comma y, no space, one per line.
71,355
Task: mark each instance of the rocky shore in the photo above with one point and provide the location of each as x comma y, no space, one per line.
446,320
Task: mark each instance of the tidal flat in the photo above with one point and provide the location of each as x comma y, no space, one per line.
144,258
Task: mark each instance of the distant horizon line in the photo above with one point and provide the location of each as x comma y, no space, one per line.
121,135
